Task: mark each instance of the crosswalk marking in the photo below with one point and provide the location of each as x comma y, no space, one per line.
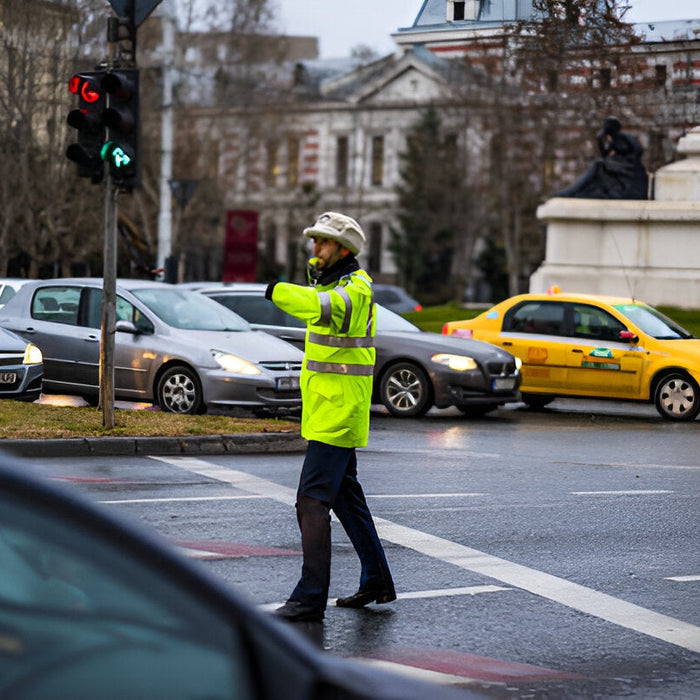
545,585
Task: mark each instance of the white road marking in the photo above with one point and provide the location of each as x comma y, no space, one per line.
423,495
630,492
545,585
447,592
187,499
683,579
414,595
423,674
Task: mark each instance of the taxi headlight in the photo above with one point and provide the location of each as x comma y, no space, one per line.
459,363
32,355
234,364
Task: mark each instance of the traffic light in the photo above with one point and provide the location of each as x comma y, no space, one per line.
88,120
121,151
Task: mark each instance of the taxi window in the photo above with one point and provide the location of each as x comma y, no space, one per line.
542,317
596,324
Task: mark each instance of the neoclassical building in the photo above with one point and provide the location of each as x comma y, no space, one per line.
328,134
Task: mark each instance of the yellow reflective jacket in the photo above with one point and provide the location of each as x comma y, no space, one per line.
336,376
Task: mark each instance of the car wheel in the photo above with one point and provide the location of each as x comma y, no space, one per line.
405,390
476,411
677,397
536,401
179,391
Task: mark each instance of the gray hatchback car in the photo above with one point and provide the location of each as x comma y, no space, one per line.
173,347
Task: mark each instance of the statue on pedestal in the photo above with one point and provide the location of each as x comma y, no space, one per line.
618,173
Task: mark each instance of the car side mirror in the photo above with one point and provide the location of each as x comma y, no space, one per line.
126,327
629,337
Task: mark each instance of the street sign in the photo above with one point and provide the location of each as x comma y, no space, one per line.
142,8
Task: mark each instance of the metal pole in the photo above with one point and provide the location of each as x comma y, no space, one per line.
109,305
165,222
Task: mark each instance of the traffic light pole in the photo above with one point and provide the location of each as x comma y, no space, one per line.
109,304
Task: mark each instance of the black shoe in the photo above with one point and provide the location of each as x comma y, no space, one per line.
296,611
361,598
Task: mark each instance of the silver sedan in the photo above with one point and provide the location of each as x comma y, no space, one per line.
173,347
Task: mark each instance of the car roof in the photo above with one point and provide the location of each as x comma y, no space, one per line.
575,296
124,283
234,287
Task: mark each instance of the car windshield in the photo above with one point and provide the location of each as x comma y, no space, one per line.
653,322
388,321
188,310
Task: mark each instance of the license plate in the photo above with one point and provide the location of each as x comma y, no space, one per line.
502,384
8,377
287,383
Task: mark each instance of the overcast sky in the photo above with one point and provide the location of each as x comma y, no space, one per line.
341,26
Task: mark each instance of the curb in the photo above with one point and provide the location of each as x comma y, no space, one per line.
243,443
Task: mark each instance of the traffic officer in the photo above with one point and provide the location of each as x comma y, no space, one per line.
336,389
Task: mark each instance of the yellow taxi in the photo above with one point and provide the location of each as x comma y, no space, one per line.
580,345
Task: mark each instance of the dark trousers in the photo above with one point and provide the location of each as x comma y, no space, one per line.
329,480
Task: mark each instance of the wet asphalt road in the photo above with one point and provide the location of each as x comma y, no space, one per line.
548,554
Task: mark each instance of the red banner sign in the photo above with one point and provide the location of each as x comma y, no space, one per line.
241,246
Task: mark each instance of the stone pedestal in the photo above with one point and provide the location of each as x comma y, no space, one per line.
647,249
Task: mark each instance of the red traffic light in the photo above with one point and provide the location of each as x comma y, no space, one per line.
86,87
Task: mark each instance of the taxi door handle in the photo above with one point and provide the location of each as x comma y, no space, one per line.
507,342
577,350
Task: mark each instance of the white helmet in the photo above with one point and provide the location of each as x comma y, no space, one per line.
338,227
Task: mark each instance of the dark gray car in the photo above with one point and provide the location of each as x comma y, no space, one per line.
173,347
415,370
21,368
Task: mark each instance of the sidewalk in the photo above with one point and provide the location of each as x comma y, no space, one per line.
244,443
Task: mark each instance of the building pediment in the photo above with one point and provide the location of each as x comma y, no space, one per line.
394,79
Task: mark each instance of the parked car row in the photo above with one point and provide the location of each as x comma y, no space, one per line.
226,345
173,347
579,345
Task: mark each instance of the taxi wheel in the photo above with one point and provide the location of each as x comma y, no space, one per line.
179,391
677,397
405,390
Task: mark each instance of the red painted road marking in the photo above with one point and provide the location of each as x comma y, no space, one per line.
470,666
237,549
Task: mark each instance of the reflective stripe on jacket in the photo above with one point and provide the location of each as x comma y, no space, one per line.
336,377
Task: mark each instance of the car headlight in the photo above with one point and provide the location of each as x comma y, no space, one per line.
459,363
234,364
32,355
518,363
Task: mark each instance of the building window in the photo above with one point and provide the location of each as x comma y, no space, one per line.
341,161
660,74
605,78
377,160
292,161
459,10
374,261
273,165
